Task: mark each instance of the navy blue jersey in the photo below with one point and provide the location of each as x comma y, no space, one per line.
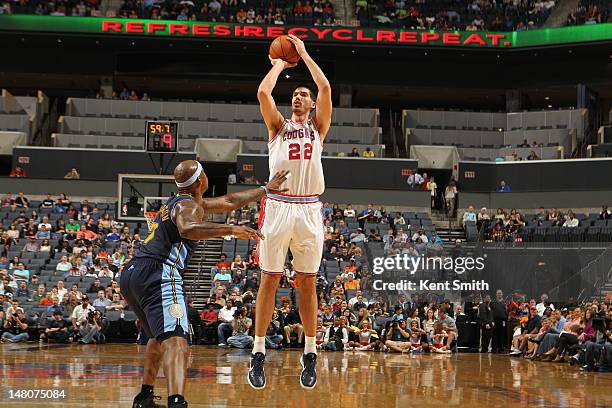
164,243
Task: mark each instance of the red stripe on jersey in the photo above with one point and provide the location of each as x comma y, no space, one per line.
279,131
272,273
262,212
300,196
294,202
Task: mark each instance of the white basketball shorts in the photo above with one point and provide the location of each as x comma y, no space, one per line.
291,222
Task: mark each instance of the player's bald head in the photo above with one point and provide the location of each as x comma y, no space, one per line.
190,177
185,170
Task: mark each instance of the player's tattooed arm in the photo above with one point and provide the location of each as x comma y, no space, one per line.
188,218
240,199
323,113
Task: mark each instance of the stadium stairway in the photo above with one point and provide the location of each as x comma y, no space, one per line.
606,291
448,230
558,16
343,10
196,277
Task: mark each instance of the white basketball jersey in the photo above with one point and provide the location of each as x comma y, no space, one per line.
297,147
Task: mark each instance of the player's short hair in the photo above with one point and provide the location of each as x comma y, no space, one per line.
313,93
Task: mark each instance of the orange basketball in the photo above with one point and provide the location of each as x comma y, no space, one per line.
284,49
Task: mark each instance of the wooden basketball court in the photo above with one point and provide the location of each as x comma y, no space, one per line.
109,376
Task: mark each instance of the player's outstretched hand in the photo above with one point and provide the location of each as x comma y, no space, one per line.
274,185
299,45
286,64
246,233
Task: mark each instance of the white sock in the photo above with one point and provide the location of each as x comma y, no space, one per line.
310,345
259,345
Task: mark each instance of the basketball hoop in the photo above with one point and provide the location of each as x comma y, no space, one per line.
150,216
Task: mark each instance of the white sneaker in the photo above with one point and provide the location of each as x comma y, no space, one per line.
222,345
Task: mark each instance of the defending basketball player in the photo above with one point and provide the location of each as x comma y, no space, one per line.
152,282
293,220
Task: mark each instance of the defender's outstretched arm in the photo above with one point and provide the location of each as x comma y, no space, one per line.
188,219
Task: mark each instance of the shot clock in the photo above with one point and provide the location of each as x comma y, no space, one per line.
161,137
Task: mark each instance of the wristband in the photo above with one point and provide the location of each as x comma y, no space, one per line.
264,188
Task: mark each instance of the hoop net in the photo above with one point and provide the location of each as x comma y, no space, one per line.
150,216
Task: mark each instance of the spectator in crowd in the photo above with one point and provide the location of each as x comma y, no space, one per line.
448,324
21,201
80,314
18,171
292,321
571,221
90,329
21,273
23,291
500,322
605,214
101,301
95,287
43,233
241,326
223,276
55,306
502,187
368,153
63,266
117,303
226,317
15,328
544,303
336,336
40,293
469,215
274,336
450,197
209,319
397,337
31,246
73,174
533,156
415,180
432,187
57,330
485,319
105,272
48,203
354,153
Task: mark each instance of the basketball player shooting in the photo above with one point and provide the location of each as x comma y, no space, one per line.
292,220
152,282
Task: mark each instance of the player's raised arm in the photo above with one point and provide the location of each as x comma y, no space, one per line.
273,118
189,222
240,199
323,113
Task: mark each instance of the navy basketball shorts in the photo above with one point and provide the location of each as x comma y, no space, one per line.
154,291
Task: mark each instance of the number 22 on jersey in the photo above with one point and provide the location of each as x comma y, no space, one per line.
295,151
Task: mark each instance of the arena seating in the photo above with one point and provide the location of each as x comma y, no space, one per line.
64,8
590,229
314,12
489,136
121,124
13,116
457,14
590,12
